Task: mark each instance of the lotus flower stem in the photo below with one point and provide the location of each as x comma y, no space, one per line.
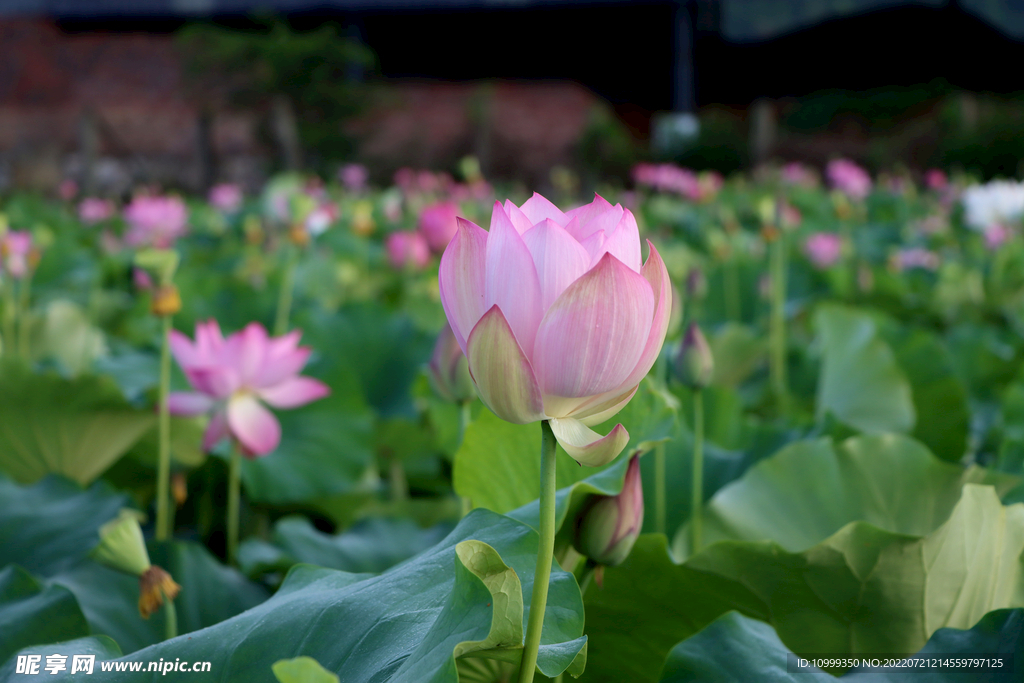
170,619
697,501
25,292
465,417
10,316
284,297
733,305
777,334
163,476
659,488
545,553
234,491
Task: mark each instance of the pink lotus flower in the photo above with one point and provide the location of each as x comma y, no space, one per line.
92,210
905,259
795,173
438,223
321,218
16,253
233,377
996,235
155,221
557,317
849,178
407,250
353,177
823,249
936,179
226,197
67,189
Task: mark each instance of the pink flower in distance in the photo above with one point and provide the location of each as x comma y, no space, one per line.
15,252
92,210
234,377
155,221
936,179
438,223
226,197
996,235
823,249
67,189
407,250
849,178
917,257
354,177
557,316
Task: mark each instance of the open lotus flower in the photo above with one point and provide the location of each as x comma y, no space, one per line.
557,317
233,377
155,221
17,253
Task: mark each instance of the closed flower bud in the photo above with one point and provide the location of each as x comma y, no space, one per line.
609,525
694,365
449,369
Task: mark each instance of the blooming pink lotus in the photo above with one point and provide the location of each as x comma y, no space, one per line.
226,197
155,221
557,317
407,250
849,178
233,377
438,223
93,210
823,249
16,253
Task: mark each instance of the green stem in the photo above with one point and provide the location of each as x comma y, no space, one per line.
10,316
777,333
545,552
465,417
659,488
733,307
25,292
170,619
697,498
163,477
399,482
284,296
234,492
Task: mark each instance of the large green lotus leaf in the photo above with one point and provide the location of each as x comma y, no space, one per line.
404,625
102,647
737,648
738,351
371,545
53,524
210,593
383,349
940,398
498,464
860,382
52,425
65,333
325,448
810,489
863,590
302,670
32,614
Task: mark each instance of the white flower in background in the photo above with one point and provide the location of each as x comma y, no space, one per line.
997,202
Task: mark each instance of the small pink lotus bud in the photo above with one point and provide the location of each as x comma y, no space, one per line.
609,525
439,223
694,365
407,250
449,369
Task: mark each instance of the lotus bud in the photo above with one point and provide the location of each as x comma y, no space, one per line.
609,525
694,365
449,369
696,284
123,549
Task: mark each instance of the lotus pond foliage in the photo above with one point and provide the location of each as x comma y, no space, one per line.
689,430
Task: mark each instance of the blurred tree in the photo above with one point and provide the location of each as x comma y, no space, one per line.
308,82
